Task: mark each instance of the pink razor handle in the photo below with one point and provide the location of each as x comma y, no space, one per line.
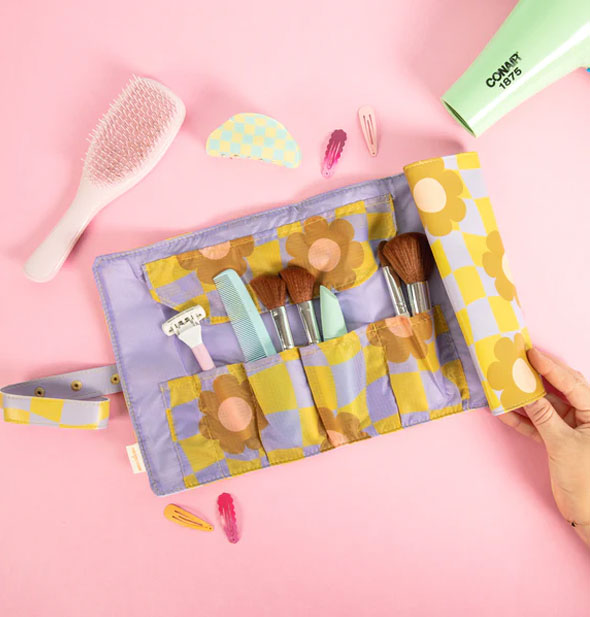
202,356
187,327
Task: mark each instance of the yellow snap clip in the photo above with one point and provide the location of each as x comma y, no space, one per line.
115,379
76,385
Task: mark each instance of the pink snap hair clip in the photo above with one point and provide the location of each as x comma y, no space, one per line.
369,128
333,152
227,514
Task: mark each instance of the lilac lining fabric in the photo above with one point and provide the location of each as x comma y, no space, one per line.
146,357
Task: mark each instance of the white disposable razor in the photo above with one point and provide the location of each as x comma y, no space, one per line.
187,327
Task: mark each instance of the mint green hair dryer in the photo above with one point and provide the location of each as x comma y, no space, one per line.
540,41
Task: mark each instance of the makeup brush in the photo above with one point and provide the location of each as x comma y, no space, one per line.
410,257
272,292
393,284
300,285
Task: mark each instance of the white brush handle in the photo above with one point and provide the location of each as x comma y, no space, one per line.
50,255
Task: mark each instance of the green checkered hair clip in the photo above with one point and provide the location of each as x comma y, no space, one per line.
254,136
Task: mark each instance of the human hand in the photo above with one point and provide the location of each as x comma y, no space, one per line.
563,426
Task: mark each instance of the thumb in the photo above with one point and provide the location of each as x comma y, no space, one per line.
547,421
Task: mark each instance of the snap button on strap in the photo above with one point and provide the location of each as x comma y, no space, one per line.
69,400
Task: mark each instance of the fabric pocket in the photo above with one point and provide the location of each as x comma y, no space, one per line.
373,380
350,387
424,369
289,424
214,423
241,417
336,246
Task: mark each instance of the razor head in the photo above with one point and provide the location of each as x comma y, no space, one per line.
188,318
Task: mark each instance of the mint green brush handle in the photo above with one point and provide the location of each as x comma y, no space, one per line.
540,41
333,324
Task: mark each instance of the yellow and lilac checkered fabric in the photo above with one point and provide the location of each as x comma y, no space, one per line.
457,215
254,136
337,247
213,422
291,428
374,380
59,413
350,384
69,400
238,418
387,375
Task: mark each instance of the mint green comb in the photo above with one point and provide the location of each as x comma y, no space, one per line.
245,319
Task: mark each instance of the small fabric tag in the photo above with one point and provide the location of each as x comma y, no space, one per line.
135,458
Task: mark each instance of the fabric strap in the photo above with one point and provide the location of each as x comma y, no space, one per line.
69,400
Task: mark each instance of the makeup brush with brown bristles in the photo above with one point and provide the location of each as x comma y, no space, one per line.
272,292
300,284
393,284
410,257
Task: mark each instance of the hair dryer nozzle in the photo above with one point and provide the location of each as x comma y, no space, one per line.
540,41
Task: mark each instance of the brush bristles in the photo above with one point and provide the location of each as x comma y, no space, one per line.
270,289
384,263
410,257
129,132
300,283
380,256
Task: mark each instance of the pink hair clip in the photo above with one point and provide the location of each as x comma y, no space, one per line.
333,152
227,513
369,128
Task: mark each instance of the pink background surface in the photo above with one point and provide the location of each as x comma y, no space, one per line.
450,518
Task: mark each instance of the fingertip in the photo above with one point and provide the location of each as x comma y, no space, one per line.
539,360
543,415
520,423
534,405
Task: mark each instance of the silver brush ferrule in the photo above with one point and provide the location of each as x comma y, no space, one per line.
395,293
419,296
309,321
279,316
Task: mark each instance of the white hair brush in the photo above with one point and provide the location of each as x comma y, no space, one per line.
125,146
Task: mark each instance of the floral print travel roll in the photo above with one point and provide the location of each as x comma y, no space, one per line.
461,227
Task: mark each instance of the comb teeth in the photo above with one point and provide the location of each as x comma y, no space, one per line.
248,326
129,132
